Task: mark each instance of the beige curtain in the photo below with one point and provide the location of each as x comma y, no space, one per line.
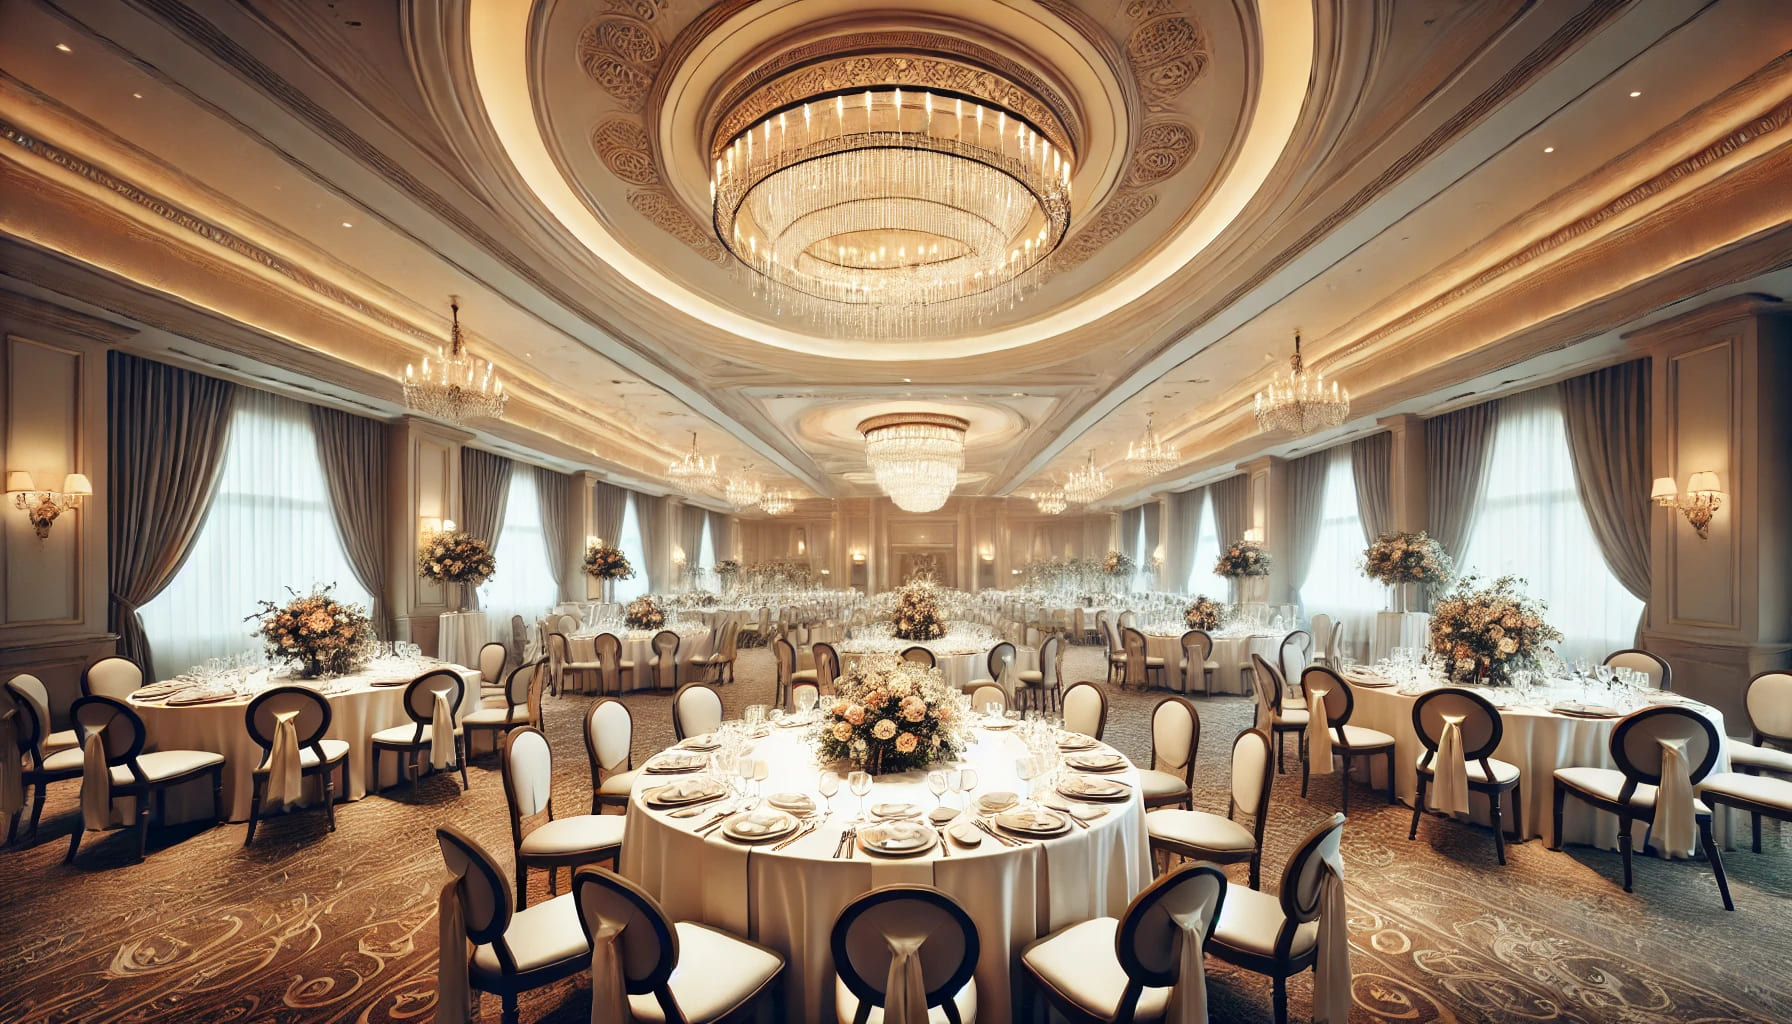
721,534
1231,507
555,493
609,503
1180,531
1306,500
1154,518
1606,414
484,491
650,512
167,431
1129,533
352,450
1458,448
1372,464
690,534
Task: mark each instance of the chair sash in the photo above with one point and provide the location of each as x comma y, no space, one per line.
905,989
12,785
1010,680
96,783
286,782
1673,831
454,991
1188,997
1450,794
441,733
1331,968
609,992
1319,735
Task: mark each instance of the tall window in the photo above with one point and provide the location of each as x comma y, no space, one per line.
1531,524
635,550
269,527
706,556
524,582
1335,585
1201,579
1141,564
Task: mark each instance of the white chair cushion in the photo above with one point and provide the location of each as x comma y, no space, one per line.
498,716
619,784
64,760
1155,783
1292,716
1357,737
806,675
1770,758
1605,783
1250,920
583,666
166,764
1502,772
1200,830
576,834
539,936
64,740
334,750
1759,789
1079,962
400,735
715,971
846,1005
1030,676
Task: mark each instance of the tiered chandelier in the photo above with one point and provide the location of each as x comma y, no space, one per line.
1151,456
694,472
1301,404
775,503
915,456
742,490
1051,501
1087,484
891,212
457,387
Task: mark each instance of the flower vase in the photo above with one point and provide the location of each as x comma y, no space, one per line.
1397,597
608,590
310,668
451,596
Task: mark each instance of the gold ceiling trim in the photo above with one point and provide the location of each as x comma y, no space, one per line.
931,419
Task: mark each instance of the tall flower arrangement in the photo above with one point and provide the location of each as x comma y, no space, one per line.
1118,565
1243,558
607,563
1397,558
457,557
1491,630
644,613
1202,613
917,615
315,630
890,715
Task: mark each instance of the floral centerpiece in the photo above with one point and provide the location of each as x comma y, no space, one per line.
457,557
917,615
318,632
890,715
727,571
1399,558
1243,558
644,613
696,599
1202,613
1117,564
1489,631
606,563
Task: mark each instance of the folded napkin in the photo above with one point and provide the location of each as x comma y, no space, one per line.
759,823
1673,831
12,786
905,988
1450,790
96,782
286,782
1188,997
454,992
1319,735
441,732
1331,970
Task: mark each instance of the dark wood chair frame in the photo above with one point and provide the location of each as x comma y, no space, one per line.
1495,791
1101,723
31,740
140,786
1282,964
1341,748
869,993
410,750
1187,796
601,800
324,769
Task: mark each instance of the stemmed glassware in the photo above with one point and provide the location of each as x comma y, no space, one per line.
936,784
860,784
967,781
828,783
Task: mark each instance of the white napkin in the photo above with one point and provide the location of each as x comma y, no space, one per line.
1188,997
1331,971
454,993
609,990
1319,735
905,990
12,785
1673,832
96,782
1449,791
441,732
1009,680
286,783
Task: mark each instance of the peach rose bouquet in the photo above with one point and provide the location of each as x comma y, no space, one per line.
891,715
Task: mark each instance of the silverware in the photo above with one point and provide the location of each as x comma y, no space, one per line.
692,810
997,836
945,844
812,825
840,844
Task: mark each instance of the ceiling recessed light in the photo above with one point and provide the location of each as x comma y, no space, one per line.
346,224
136,95
64,48
905,380
528,355
1549,149
1634,93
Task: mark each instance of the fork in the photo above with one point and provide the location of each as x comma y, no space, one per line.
997,836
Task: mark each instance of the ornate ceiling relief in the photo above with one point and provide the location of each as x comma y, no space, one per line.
1167,51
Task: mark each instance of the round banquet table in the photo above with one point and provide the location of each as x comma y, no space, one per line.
459,636
788,899
637,646
1538,741
960,667
358,710
1233,654
1398,629
716,618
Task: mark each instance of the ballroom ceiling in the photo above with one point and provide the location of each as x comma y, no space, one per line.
1439,194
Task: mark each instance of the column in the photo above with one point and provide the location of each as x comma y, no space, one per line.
582,530
1269,515
424,467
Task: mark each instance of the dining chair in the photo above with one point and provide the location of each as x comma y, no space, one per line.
934,933
522,705
1126,619
491,666
519,637
1480,728
1086,709
573,667
569,624
539,839
985,694
1348,741
609,745
1279,935
410,741
1629,790
784,660
1116,650
1115,971
696,710
1000,657
1767,698
515,949
607,649
1200,835
49,756
713,664
679,973
113,677
310,715
1034,689
1294,654
118,737
1759,795
1272,714
662,667
919,655
827,666
1322,635
1660,673
1139,662
1175,737
1197,656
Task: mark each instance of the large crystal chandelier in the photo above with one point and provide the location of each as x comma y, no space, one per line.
915,456
456,387
1301,404
775,503
1087,484
694,472
891,212
1050,501
742,490
1151,456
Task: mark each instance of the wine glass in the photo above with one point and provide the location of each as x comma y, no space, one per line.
860,784
1026,769
967,780
762,770
955,784
936,784
805,700
828,783
745,769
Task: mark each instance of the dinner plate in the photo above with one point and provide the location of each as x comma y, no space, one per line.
1033,822
684,791
1001,800
1083,787
157,691
895,809
999,724
795,803
1582,710
189,698
390,682
898,838
760,826
676,764
1100,761
1075,741
705,743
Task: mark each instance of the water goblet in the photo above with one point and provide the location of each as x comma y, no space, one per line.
860,784
1025,769
762,770
955,784
936,784
827,784
755,715
805,700
745,770
967,779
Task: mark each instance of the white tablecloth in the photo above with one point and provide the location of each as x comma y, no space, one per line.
357,712
788,899
1538,741
1399,629
459,636
961,670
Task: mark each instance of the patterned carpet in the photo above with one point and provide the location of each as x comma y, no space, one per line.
313,926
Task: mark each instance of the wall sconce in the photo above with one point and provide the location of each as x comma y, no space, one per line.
1704,496
42,507
429,526
678,556
592,540
858,555
1254,535
987,553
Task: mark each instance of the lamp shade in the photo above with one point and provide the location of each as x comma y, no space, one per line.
77,484
1664,489
1705,482
19,480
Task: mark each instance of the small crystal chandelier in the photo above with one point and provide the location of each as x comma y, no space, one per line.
915,456
457,387
694,472
1299,404
1151,456
1087,484
1051,501
775,503
742,490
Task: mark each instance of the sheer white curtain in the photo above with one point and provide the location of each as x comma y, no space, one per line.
706,556
269,528
1142,577
635,550
1531,525
1335,584
1201,579
524,583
